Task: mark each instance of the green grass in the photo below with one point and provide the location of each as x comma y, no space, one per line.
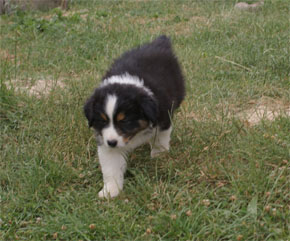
221,180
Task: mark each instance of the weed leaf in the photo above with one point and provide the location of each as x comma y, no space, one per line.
252,207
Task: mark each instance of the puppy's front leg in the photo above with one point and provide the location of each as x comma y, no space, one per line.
113,164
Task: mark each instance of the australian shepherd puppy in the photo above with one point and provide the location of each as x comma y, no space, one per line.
134,104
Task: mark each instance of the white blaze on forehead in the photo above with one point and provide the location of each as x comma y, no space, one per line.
126,79
110,106
109,133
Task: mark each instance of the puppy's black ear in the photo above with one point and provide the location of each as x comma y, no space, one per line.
150,109
88,110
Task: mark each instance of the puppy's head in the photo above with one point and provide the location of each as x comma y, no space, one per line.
119,112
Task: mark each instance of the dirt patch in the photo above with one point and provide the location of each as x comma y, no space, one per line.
40,87
8,6
249,7
265,108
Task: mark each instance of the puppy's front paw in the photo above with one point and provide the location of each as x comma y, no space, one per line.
110,190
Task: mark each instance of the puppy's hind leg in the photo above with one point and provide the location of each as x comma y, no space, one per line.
160,142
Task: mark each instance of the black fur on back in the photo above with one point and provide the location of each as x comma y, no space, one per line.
156,64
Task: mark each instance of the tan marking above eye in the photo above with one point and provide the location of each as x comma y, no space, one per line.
120,116
104,116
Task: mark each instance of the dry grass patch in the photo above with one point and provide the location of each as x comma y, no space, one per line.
6,56
188,27
174,25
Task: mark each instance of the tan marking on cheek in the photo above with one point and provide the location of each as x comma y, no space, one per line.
143,124
104,116
120,116
126,139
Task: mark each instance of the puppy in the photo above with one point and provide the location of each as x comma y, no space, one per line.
133,105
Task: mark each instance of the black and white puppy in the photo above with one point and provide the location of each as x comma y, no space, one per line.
133,105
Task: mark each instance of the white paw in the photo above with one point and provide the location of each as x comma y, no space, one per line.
157,151
110,190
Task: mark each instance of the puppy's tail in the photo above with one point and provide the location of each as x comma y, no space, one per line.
162,42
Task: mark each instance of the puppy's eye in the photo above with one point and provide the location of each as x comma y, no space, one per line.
103,116
102,119
126,121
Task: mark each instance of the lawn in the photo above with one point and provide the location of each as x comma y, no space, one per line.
226,176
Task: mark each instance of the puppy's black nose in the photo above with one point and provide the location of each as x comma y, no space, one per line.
112,143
